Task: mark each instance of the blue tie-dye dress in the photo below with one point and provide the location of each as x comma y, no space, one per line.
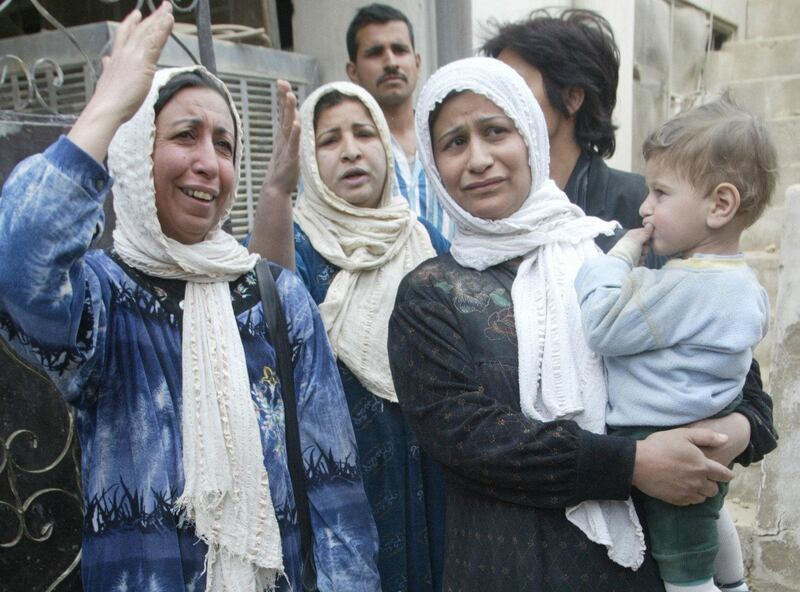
404,486
110,339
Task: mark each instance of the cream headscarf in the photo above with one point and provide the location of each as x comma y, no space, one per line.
374,247
559,376
226,492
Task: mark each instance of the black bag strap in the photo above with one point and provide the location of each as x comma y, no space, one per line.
276,322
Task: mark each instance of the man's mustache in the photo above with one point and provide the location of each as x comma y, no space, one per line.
392,74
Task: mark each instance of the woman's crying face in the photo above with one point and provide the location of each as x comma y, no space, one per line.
481,157
350,154
193,163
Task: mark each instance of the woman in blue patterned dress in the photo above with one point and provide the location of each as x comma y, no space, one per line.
353,243
161,347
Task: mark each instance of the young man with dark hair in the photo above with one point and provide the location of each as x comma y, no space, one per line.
374,14
380,45
571,63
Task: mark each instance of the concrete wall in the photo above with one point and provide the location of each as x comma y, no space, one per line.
485,13
776,544
320,27
669,48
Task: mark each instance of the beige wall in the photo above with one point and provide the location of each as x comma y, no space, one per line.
320,27
661,48
776,546
669,42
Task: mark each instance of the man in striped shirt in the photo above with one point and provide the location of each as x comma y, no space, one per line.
380,45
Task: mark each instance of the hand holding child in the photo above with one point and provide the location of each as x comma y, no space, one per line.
670,465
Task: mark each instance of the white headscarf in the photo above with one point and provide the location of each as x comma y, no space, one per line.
373,247
559,376
226,492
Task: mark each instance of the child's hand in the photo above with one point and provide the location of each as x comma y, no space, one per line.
647,244
630,248
640,235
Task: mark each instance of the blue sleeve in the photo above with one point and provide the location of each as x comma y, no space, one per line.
50,210
619,308
302,250
440,244
315,272
345,538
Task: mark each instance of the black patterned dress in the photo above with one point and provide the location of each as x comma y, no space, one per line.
453,353
453,349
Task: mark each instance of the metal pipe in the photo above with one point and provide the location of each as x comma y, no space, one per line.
453,30
205,40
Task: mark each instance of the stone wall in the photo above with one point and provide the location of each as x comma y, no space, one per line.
776,540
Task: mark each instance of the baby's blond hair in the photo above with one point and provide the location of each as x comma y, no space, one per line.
720,142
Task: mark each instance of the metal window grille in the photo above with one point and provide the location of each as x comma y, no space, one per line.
249,72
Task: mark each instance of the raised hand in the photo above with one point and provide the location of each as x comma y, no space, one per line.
670,465
272,236
128,71
283,171
125,80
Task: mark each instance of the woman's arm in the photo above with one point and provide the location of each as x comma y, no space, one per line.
497,450
52,203
756,406
125,81
487,446
51,303
345,538
272,236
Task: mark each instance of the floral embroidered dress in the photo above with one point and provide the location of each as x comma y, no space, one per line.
453,350
404,487
110,339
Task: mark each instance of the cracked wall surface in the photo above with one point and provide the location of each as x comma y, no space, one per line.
776,543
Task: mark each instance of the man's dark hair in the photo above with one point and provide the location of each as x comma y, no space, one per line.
369,15
574,49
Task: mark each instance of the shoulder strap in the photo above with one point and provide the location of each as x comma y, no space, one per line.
276,322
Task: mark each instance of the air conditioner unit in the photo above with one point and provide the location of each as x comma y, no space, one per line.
250,73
